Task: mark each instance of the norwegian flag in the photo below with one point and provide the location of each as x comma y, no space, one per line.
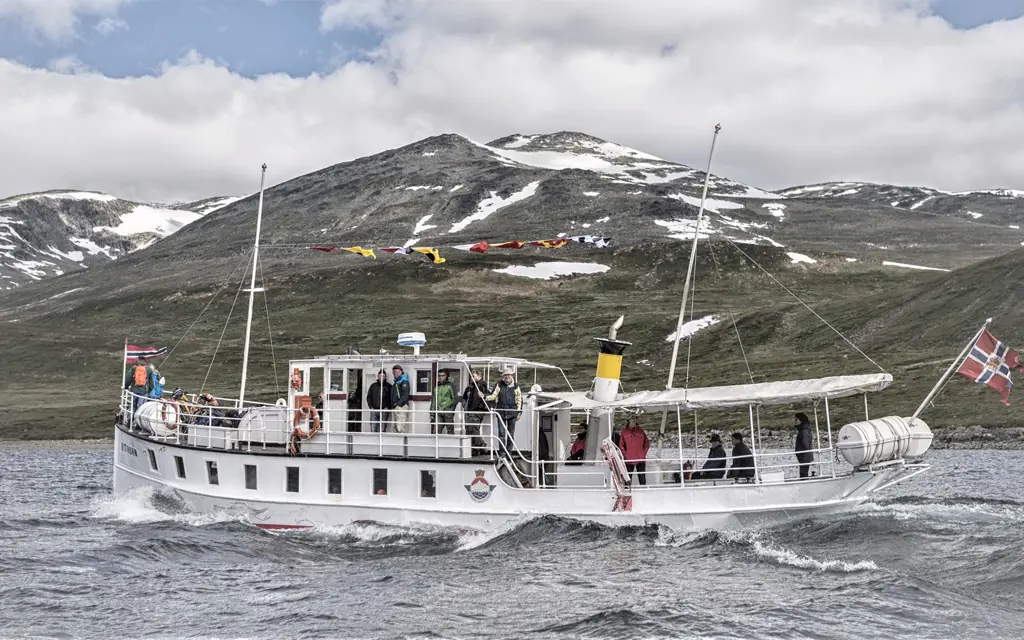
990,362
132,352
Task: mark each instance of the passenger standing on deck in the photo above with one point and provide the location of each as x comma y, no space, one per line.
137,382
714,468
508,405
400,399
634,445
474,409
742,459
804,444
442,406
156,384
378,398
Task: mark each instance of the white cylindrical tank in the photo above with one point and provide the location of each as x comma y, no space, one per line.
874,441
920,438
159,417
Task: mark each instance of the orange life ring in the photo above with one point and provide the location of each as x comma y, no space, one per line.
303,413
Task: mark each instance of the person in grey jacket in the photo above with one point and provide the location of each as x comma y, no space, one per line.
804,444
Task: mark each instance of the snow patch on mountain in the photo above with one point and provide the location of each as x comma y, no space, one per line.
422,225
797,258
710,204
775,208
146,219
550,270
489,205
57,195
911,266
693,326
218,204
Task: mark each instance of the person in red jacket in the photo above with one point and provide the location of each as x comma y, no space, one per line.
634,445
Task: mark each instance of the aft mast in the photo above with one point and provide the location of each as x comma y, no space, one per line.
689,275
252,286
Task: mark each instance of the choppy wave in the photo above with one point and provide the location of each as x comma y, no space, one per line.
144,505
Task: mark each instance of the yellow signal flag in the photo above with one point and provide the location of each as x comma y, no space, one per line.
366,253
430,251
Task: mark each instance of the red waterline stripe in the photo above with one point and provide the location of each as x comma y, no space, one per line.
277,527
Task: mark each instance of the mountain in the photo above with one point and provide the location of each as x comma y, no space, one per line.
855,261
55,232
1002,207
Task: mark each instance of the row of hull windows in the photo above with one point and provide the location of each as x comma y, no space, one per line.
428,479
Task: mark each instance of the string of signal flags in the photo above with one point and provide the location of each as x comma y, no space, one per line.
434,253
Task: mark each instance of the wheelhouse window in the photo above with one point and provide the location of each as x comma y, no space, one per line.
179,466
250,476
291,479
423,381
380,482
334,481
152,460
211,472
428,484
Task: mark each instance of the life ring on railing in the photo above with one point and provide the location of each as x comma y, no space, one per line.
303,414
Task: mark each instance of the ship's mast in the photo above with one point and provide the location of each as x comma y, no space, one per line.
252,286
689,275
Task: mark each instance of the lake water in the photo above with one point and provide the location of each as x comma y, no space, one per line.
940,557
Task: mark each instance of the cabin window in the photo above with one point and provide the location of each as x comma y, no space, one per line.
423,381
428,484
250,476
152,461
334,481
380,482
179,466
211,472
291,479
337,380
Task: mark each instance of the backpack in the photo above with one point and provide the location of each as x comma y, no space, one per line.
140,375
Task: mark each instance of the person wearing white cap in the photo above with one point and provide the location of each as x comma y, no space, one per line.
508,404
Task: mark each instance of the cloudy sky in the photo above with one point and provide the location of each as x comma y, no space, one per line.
162,100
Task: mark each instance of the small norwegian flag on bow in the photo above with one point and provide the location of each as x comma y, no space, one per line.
990,362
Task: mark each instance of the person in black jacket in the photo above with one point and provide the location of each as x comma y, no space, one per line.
804,444
400,392
474,410
742,459
714,468
378,398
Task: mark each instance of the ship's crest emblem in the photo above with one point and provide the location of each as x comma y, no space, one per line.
479,489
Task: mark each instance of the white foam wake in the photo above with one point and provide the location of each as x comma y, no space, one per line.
136,506
768,550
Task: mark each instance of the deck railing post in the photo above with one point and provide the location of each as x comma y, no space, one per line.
817,433
679,442
753,453
831,453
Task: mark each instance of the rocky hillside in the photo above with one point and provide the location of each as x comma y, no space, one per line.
859,261
999,207
48,234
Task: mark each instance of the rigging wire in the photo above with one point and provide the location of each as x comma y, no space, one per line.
230,311
270,332
797,298
216,293
732,317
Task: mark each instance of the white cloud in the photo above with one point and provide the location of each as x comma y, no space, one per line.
865,90
56,19
107,26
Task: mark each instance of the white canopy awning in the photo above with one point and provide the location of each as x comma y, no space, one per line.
737,395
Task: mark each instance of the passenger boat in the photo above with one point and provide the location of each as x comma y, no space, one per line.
291,465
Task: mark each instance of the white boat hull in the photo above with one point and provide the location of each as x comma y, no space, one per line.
489,505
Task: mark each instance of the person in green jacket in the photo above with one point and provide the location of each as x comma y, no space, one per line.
443,405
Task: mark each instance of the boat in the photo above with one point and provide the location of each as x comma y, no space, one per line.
323,456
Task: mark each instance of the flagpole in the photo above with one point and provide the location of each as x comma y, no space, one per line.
950,370
689,274
252,286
